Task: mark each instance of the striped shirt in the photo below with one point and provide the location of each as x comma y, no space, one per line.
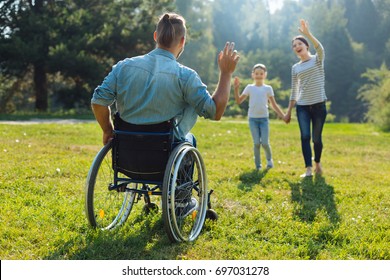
308,79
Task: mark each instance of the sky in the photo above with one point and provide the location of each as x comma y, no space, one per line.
275,5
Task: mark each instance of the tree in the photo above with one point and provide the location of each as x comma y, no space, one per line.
101,34
257,25
227,21
361,29
25,40
376,93
79,39
382,39
283,25
200,53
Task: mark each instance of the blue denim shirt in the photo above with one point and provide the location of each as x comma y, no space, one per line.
154,88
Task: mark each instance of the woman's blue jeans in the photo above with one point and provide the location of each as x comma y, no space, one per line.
315,115
259,128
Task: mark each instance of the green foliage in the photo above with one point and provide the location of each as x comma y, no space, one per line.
63,49
15,93
227,19
337,24
376,93
6,94
200,53
360,29
79,39
262,215
257,27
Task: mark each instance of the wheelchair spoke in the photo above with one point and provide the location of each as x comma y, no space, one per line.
106,206
185,200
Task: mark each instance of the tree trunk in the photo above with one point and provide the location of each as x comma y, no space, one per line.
40,87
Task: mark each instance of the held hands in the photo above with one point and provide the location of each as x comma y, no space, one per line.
228,59
287,117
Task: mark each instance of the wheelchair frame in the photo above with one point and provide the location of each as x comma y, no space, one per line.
110,194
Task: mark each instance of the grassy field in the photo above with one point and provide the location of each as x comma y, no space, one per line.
272,214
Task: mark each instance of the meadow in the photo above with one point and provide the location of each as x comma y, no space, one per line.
268,215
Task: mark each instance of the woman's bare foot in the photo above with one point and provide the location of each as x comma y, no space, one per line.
318,169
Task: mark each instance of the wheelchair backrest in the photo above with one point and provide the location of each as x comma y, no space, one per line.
141,152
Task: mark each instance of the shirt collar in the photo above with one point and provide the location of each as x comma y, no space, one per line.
162,52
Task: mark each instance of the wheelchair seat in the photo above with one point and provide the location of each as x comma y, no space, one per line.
141,152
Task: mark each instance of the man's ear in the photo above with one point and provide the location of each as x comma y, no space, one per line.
182,41
155,36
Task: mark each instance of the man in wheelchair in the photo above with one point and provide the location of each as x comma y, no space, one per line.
155,88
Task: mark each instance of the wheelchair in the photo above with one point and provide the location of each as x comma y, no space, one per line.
144,161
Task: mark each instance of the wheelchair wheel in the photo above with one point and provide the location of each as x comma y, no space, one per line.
106,209
185,174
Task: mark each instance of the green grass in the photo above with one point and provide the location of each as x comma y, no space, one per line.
60,114
262,215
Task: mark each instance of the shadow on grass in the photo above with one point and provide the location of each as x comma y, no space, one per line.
313,194
249,179
141,239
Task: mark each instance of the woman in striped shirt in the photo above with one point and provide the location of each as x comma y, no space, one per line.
308,96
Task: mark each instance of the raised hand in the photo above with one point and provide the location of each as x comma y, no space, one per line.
228,58
304,28
227,62
236,82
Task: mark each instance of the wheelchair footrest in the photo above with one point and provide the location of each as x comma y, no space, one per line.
210,213
208,199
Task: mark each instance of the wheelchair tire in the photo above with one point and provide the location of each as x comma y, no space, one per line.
178,175
105,209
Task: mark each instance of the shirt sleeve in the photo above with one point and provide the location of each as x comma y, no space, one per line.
246,91
198,97
270,91
294,84
320,53
105,94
